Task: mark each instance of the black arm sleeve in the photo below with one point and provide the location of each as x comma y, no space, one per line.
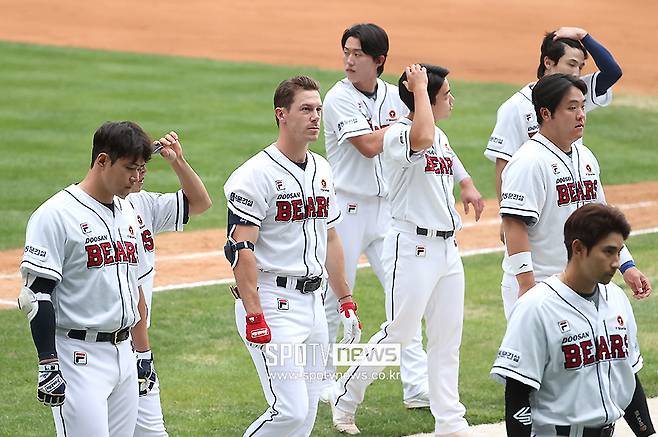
637,413
527,220
186,209
609,70
518,419
43,323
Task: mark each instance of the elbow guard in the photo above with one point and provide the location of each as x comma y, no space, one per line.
231,250
28,302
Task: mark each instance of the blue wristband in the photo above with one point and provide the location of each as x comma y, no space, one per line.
627,265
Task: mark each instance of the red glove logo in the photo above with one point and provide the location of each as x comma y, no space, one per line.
257,329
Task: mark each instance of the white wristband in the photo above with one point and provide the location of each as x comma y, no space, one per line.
521,262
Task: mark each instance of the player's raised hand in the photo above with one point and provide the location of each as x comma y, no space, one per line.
51,386
638,283
416,78
257,332
171,149
351,323
146,375
470,194
570,33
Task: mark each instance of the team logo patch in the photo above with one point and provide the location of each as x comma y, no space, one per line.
391,114
80,358
86,229
588,170
352,208
564,326
420,251
139,220
131,231
323,185
279,185
282,304
555,168
620,321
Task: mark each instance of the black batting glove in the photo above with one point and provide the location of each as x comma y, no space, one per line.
146,376
51,386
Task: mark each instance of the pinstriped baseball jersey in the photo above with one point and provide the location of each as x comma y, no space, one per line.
544,185
349,113
156,212
516,121
421,184
580,361
293,208
94,253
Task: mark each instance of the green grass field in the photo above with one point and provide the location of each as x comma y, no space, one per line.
55,98
210,386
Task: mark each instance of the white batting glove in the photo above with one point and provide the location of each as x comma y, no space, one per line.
351,323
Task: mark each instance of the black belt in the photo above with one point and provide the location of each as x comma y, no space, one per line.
113,337
304,285
433,233
605,431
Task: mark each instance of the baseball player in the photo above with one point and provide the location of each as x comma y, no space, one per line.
421,260
157,212
282,245
570,356
82,268
357,111
544,182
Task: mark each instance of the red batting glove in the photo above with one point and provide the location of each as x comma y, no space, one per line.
345,309
257,329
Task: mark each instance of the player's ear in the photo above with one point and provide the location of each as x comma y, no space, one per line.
280,114
103,159
548,63
545,113
577,247
379,60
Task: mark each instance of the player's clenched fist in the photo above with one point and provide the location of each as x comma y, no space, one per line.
51,386
416,78
257,330
351,323
146,375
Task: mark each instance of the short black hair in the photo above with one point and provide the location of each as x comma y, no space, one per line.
121,139
374,41
549,91
284,94
555,50
436,75
593,222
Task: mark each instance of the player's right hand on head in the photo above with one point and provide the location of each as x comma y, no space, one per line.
51,385
257,332
416,78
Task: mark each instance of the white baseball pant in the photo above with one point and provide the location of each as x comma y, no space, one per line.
366,220
427,281
101,388
291,385
150,422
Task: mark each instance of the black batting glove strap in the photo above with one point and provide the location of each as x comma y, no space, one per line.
637,413
146,375
51,386
518,416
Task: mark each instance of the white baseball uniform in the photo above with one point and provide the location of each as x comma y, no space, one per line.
361,190
516,121
293,208
424,272
543,185
96,257
581,361
156,212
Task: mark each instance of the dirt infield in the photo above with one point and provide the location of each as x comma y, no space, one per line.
477,39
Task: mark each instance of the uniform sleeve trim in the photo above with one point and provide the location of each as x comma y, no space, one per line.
518,211
43,269
145,274
244,214
354,133
337,217
496,153
509,373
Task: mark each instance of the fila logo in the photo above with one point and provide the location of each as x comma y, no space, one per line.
80,358
86,229
420,251
352,208
279,185
523,265
524,416
282,304
564,326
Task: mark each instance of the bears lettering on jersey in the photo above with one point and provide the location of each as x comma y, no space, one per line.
296,210
438,165
570,192
109,253
585,352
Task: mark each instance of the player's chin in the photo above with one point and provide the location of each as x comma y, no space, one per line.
313,134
